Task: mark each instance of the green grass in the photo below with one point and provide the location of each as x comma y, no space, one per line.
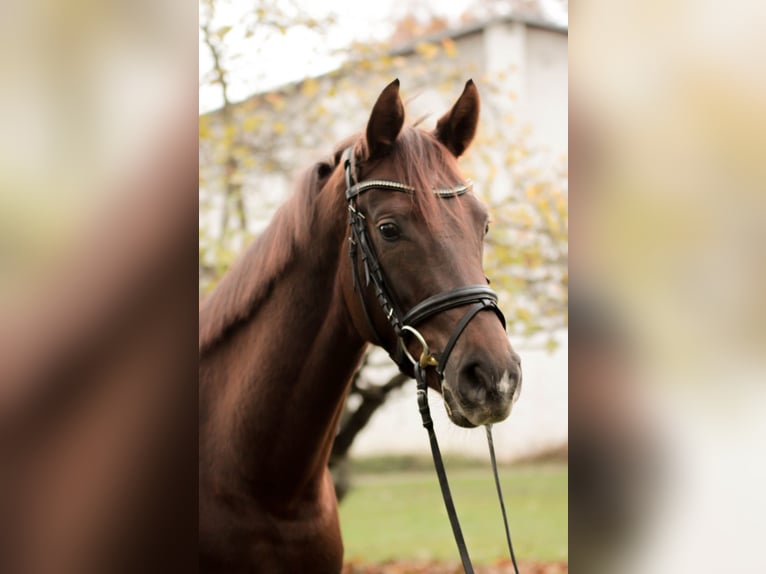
401,514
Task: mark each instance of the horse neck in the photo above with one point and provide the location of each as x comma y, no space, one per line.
273,390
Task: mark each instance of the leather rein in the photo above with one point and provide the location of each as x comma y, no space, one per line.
479,297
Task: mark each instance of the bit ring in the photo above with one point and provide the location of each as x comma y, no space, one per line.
426,358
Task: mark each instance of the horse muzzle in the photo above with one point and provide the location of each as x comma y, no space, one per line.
477,394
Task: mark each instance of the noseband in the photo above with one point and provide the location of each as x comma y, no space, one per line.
479,297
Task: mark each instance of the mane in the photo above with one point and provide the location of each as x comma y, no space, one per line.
250,279
418,159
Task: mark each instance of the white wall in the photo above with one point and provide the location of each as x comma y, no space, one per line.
546,104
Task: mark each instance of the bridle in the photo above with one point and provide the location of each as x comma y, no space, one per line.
479,297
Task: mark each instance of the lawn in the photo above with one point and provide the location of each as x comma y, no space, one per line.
401,514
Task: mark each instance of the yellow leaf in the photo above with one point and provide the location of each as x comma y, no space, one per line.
228,133
204,127
551,345
449,47
222,31
560,203
310,87
252,122
532,192
427,50
279,127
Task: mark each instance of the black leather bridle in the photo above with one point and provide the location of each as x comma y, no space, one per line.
479,297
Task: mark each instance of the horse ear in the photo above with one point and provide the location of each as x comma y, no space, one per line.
457,127
386,121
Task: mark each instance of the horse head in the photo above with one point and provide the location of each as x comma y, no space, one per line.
414,281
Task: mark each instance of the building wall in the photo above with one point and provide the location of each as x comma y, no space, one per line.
547,103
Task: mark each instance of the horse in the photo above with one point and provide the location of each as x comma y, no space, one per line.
283,332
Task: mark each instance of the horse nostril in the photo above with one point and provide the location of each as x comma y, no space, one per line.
479,382
472,372
476,381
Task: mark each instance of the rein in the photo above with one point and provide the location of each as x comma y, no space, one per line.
479,297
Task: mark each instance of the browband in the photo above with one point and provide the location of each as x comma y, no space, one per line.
391,185
353,191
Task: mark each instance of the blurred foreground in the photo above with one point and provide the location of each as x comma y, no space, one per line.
668,310
98,211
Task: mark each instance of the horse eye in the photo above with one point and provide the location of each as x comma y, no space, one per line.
389,231
486,228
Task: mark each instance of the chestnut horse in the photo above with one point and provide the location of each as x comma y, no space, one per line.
281,336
